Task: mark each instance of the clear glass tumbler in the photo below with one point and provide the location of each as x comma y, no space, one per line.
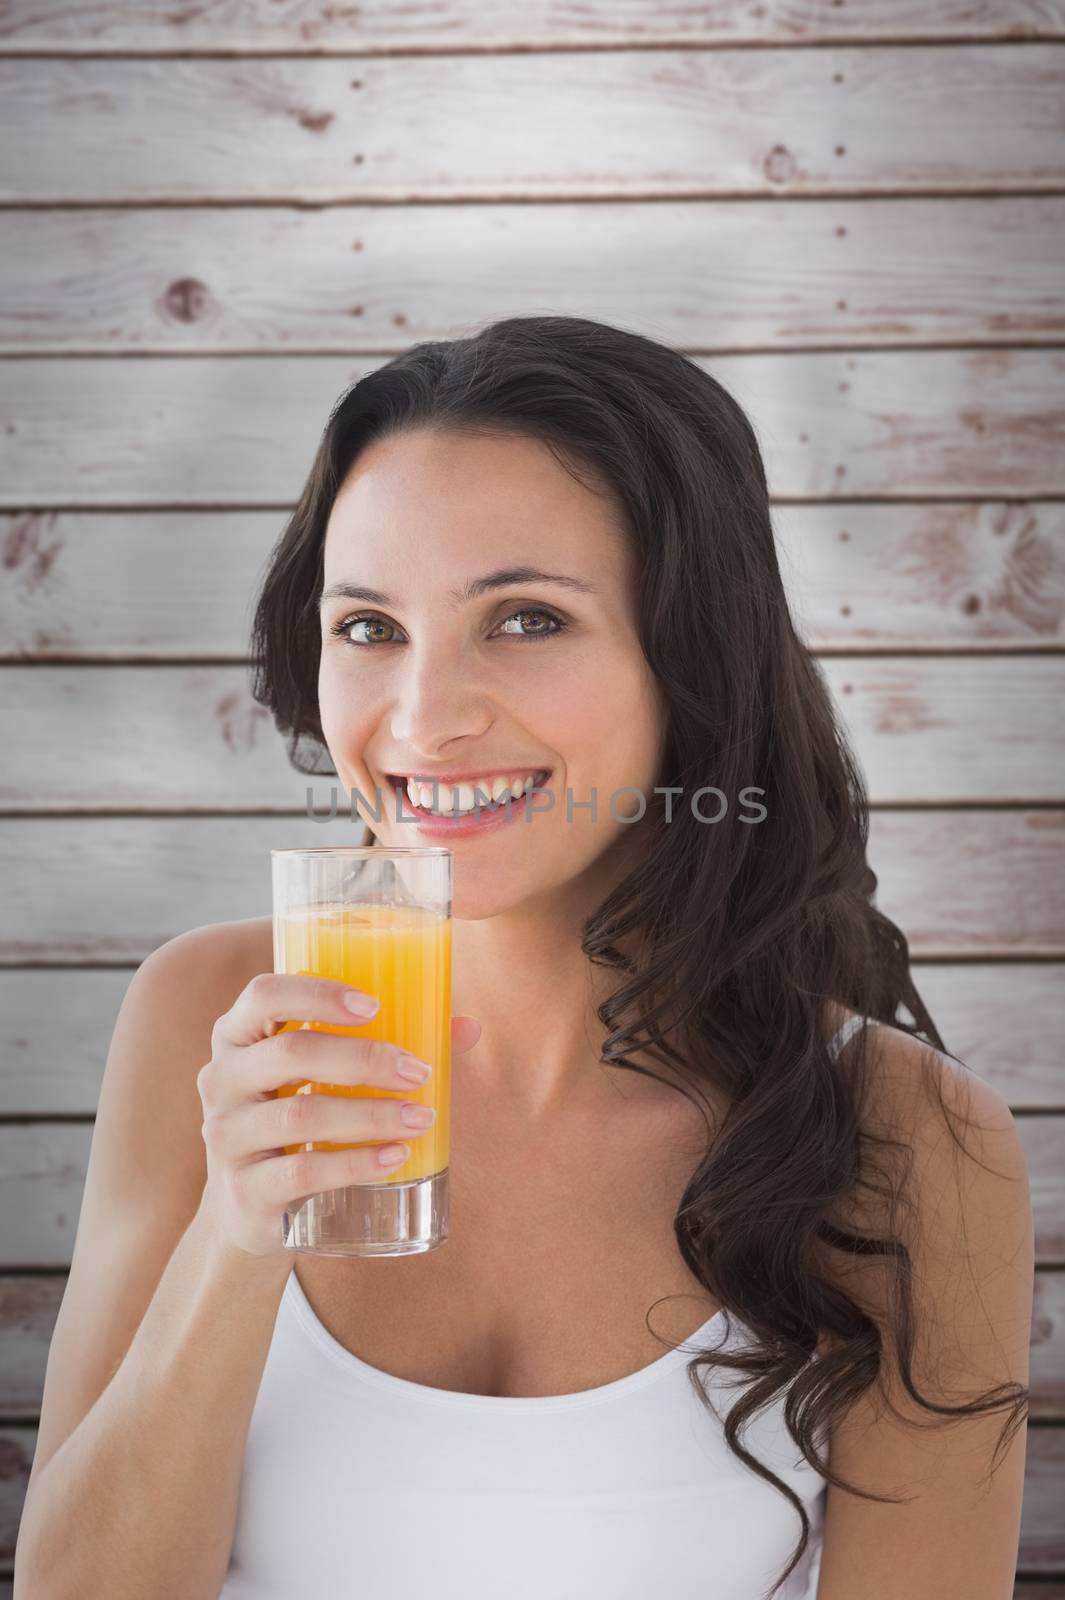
380,919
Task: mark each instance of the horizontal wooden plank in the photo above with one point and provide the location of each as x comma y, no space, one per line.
1002,1019
1042,1541
17,1445
29,1306
951,728
936,729
120,886
165,585
631,123
1043,1137
176,431
972,882
42,1173
967,883
43,1164
935,576
55,1031
380,26
178,738
1047,1368
247,279
104,585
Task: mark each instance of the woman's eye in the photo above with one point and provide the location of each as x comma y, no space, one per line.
343,629
534,611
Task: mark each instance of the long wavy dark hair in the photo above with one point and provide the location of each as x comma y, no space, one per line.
745,933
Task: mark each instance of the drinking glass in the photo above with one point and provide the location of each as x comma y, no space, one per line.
380,919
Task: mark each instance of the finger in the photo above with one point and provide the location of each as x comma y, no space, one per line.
465,1032
256,1130
272,998
283,1182
307,1056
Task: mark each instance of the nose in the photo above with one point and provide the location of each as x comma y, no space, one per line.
437,702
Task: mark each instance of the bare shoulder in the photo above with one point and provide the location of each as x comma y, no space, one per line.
943,1143
213,956
162,1037
945,1166
949,1118
916,1092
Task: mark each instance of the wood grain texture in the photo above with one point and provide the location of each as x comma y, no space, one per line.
989,575
170,585
314,27
949,729
115,585
876,119
1004,1021
972,882
1042,1545
860,239
883,272
892,424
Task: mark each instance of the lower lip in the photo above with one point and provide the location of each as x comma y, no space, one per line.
440,825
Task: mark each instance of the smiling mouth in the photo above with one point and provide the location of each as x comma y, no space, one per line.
399,786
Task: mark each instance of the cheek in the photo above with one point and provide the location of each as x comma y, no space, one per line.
330,701
346,715
611,741
617,714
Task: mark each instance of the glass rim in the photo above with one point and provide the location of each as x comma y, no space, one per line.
363,850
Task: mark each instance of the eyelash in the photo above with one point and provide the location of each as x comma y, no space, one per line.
339,629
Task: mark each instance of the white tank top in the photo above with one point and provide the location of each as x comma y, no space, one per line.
356,1483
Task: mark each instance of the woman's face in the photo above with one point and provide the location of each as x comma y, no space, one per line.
423,680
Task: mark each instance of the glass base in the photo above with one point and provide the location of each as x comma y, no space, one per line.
371,1219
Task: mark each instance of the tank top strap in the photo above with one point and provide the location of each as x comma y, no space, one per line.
846,1032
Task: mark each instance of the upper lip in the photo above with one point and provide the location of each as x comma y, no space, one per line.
467,777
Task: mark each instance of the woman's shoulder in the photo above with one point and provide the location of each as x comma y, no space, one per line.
909,1081
943,1167
217,955
939,1133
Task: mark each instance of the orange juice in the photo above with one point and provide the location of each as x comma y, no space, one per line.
402,956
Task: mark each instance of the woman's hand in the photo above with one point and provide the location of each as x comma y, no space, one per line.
251,1182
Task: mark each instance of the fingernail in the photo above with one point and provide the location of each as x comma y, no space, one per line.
412,1069
390,1155
363,1005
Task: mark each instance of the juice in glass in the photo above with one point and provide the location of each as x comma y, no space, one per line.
380,920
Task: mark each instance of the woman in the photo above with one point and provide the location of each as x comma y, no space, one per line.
545,552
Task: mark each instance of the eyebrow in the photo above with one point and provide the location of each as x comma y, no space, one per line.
504,578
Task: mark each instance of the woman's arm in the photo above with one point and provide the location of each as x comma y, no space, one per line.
971,1237
140,1501
162,1334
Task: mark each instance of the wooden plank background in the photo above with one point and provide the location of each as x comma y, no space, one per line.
853,215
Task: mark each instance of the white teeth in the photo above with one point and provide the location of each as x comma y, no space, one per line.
463,797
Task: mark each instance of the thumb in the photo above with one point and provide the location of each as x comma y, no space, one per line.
465,1032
